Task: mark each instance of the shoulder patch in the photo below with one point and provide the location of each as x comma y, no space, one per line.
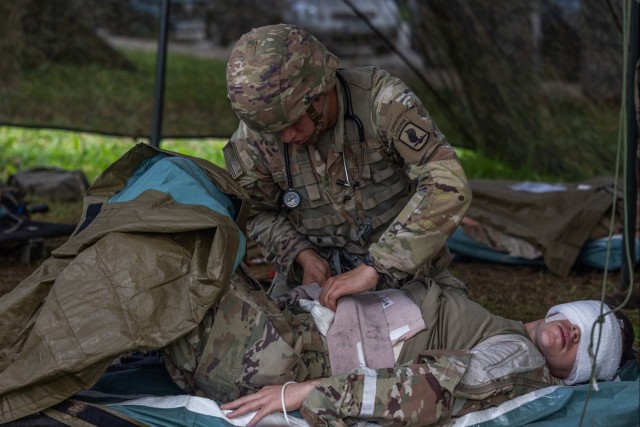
234,167
413,136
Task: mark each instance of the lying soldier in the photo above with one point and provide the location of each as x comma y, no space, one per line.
463,359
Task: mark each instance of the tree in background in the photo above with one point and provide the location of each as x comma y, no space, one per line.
35,33
535,83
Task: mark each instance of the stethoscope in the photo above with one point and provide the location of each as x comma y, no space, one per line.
291,198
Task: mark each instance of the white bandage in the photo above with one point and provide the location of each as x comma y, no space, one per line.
608,351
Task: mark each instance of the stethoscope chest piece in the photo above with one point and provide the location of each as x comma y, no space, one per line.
291,199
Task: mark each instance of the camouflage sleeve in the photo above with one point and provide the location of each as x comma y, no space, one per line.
420,231
415,394
245,157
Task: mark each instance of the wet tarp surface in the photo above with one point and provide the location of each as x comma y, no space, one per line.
135,275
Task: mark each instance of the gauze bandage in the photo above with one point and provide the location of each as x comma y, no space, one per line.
584,314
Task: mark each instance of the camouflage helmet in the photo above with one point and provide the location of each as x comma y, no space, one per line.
274,73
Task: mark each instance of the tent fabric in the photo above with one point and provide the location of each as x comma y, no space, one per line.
461,244
146,394
185,182
138,274
595,253
606,253
557,219
613,403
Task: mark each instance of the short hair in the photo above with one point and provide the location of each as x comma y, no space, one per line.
628,337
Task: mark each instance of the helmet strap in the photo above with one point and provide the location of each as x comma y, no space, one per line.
318,119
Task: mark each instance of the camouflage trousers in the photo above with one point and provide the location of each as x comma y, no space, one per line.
244,343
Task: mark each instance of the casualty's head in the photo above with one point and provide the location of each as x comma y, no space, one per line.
274,75
572,332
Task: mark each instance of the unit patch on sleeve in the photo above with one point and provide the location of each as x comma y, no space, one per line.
413,136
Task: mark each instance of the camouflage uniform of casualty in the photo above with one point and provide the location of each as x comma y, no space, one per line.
246,342
410,196
253,344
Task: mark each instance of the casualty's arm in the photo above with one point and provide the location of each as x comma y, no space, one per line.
417,394
269,400
442,197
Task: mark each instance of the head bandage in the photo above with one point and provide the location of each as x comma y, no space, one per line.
584,315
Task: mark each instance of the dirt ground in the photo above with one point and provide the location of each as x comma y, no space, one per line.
518,292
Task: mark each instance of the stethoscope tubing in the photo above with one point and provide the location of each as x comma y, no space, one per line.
349,115
349,108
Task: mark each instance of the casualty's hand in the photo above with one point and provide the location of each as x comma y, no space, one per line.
360,279
316,269
268,400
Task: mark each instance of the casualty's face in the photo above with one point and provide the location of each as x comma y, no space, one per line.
558,341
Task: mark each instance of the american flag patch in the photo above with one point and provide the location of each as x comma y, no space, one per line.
231,158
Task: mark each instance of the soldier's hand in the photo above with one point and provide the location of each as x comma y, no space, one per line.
268,400
360,279
316,269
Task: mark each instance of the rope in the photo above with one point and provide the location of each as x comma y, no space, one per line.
622,131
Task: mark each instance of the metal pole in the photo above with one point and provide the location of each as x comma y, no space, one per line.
161,61
631,183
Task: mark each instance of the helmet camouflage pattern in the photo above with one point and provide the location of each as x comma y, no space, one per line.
274,73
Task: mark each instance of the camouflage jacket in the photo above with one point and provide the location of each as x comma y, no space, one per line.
440,386
408,191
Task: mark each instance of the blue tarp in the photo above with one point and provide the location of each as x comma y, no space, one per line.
147,394
185,182
593,254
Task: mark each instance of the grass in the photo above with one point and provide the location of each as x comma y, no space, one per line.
120,100
576,139
24,148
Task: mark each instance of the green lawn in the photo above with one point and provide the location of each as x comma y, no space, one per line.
576,138
29,148
120,100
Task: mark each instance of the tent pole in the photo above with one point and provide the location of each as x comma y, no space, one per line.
631,183
161,61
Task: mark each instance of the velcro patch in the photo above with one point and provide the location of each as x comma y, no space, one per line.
413,136
234,167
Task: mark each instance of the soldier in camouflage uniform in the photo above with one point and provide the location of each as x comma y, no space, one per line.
380,189
247,348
